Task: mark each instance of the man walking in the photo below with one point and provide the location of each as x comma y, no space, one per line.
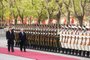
10,37
22,37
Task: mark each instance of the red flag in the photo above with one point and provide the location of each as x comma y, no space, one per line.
72,21
64,21
43,22
25,20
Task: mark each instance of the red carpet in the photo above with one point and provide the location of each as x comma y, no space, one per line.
35,55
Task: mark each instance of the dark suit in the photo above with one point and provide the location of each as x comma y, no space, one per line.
10,37
22,37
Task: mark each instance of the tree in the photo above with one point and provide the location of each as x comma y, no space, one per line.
60,5
79,13
50,7
2,9
68,6
2,12
44,9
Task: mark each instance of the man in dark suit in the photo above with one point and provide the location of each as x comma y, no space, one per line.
10,37
22,37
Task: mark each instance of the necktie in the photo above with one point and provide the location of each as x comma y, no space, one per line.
22,33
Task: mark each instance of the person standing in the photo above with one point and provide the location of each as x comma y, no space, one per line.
10,37
22,38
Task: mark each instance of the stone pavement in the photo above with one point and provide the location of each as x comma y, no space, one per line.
10,57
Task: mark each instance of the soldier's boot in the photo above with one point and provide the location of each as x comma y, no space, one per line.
63,50
66,51
69,51
58,50
80,53
55,49
72,51
84,53
76,52
88,54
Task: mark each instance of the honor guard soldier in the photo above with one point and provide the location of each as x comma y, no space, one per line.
62,38
88,45
16,35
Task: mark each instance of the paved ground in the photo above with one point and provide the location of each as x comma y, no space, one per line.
3,43
10,57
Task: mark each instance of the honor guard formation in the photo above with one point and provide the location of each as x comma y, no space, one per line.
66,39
